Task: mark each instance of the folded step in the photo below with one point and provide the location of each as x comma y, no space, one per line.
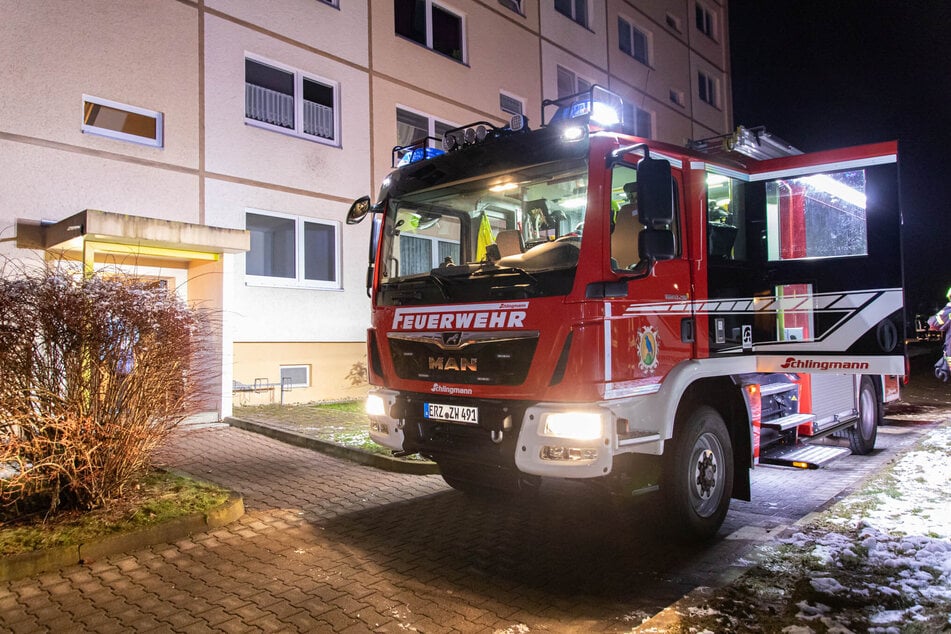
788,422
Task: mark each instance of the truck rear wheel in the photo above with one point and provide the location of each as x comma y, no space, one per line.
863,435
698,474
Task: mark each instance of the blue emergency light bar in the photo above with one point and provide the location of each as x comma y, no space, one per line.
597,106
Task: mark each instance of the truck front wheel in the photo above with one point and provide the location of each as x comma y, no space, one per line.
698,474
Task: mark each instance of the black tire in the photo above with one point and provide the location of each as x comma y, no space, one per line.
863,435
698,474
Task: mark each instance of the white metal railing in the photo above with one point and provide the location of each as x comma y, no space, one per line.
277,108
318,120
270,106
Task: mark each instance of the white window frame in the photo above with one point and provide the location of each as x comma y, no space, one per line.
431,121
574,13
513,5
159,139
306,367
711,26
429,30
300,281
673,22
712,87
299,77
576,81
633,26
633,113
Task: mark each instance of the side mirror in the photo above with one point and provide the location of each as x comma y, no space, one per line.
657,244
358,210
655,197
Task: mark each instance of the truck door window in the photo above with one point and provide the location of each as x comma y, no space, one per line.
817,216
625,226
726,218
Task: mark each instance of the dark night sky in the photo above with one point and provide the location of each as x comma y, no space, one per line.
829,73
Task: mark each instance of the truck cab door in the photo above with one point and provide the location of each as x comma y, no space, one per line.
643,343
805,258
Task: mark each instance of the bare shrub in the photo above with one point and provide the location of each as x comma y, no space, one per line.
95,372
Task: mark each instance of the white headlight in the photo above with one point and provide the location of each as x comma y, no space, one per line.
575,425
375,406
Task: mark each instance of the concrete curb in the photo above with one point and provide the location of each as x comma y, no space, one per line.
377,461
22,565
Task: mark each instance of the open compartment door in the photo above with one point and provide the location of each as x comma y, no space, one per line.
821,264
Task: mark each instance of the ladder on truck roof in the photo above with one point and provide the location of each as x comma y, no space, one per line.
754,143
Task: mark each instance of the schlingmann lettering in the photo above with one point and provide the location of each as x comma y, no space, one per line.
449,389
459,321
793,363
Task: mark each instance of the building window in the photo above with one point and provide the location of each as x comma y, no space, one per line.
412,128
632,40
569,83
295,376
673,22
431,25
514,5
677,97
705,21
292,251
511,105
706,88
289,101
332,3
577,10
123,122
638,119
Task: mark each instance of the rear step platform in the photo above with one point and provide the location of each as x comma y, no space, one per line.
803,456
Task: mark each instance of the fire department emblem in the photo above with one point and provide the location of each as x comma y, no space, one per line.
647,350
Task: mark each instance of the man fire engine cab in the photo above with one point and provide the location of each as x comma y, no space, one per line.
575,302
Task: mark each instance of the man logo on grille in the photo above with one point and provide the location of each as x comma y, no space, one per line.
451,338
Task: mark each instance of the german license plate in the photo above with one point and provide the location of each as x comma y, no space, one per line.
451,413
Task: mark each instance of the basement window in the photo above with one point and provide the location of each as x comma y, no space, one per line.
122,122
295,376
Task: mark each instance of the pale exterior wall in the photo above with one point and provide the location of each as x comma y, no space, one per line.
337,371
500,54
48,183
139,52
709,120
317,25
274,313
236,149
588,43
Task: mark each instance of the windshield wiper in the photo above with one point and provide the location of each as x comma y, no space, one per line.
492,271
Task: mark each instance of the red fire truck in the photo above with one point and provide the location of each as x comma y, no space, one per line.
576,302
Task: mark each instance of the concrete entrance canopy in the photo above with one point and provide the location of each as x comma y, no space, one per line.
189,257
91,231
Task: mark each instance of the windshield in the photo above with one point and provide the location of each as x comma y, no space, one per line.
520,230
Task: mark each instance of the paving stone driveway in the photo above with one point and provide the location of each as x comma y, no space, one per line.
330,546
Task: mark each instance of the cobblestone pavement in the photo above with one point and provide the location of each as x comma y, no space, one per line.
330,546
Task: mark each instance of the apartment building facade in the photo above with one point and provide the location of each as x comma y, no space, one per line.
217,144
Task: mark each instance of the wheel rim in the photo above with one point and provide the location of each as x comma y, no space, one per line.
706,475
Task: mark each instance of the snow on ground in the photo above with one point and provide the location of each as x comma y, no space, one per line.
879,561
